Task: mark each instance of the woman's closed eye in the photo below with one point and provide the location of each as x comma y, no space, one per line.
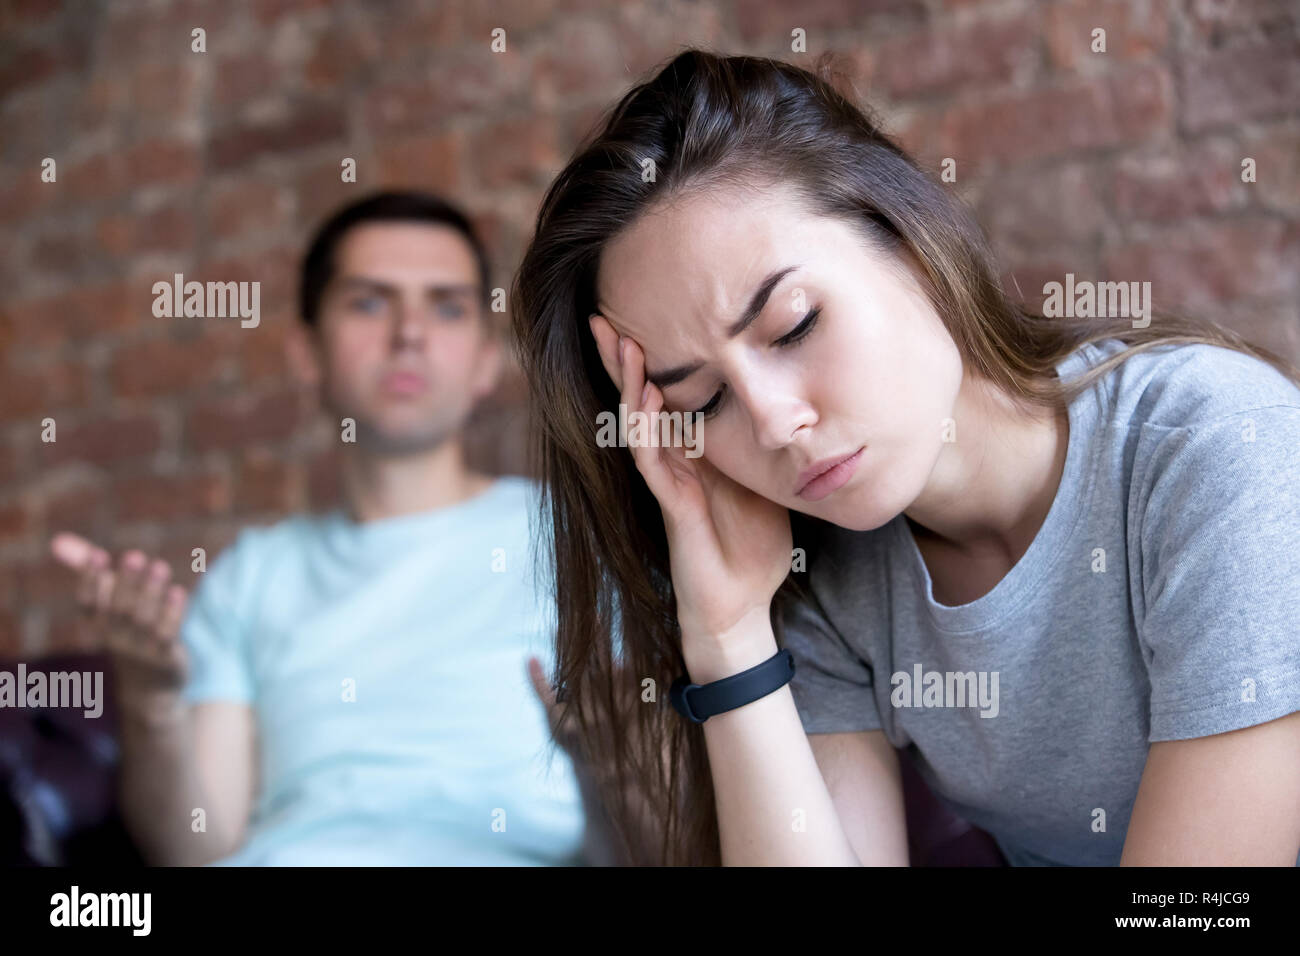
793,337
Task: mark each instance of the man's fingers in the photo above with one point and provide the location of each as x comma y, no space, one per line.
173,612
95,563
130,573
72,550
149,602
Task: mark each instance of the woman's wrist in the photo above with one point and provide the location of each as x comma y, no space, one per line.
713,656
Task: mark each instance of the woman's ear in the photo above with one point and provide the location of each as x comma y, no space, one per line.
300,350
607,345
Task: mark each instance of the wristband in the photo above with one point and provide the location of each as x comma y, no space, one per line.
697,703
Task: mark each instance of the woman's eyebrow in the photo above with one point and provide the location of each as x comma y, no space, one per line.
757,302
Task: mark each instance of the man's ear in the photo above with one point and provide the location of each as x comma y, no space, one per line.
490,363
301,350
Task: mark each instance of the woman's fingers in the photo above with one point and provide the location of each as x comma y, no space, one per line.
642,396
607,345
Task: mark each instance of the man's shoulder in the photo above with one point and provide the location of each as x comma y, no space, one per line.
260,545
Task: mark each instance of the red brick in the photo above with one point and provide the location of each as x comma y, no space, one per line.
1052,204
306,127
772,20
240,421
33,393
76,315
22,13
1065,120
248,207
518,151
1217,23
424,162
276,268
340,55
171,498
1174,183
102,442
71,502
26,67
11,642
1024,277
69,633
262,355
15,523
1277,172
23,197
163,366
242,76
163,162
647,38
43,580
324,480
1245,81
8,463
167,230
474,82
320,188
935,59
580,55
1134,29
152,32
1203,268
165,92
267,485
100,176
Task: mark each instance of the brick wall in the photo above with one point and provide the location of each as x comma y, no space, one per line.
173,433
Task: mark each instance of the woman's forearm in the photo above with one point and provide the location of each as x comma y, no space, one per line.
773,805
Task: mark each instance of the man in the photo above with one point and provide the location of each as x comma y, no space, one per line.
350,689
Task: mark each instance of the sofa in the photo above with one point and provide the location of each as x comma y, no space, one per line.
58,797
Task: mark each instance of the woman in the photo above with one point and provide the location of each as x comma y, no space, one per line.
1053,562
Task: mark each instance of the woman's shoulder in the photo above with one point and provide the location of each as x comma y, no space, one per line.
1177,386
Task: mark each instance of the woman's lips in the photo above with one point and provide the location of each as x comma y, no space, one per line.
831,479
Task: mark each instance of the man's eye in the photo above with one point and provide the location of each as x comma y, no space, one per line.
366,303
451,309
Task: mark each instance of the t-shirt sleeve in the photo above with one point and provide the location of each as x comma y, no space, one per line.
213,632
1220,545
833,687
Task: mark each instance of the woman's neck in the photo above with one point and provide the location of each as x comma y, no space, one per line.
992,488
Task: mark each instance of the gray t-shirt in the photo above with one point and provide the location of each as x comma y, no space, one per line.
1160,600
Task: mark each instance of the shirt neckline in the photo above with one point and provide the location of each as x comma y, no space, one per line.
366,533
1073,495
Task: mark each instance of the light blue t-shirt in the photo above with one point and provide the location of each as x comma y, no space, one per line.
386,663
1160,600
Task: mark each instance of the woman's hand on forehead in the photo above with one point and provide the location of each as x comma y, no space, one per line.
607,344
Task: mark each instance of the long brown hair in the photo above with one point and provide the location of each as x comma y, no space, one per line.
706,119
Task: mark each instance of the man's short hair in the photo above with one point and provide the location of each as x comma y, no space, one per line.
391,206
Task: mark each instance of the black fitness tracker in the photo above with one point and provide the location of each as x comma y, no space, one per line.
697,703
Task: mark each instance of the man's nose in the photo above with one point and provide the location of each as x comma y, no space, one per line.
409,325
